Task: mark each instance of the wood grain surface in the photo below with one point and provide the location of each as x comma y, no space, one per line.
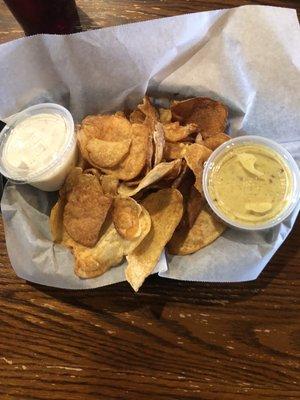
173,340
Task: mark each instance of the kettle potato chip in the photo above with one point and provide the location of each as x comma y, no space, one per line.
165,115
148,109
215,141
172,151
137,117
126,214
150,152
70,181
102,127
92,262
195,156
157,173
159,143
194,205
206,229
105,154
175,132
56,220
86,210
112,128
209,115
199,138
95,172
133,164
120,114
165,209
174,172
108,252
182,175
109,185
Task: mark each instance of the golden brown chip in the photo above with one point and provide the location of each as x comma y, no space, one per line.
174,172
137,117
105,154
172,151
199,138
159,143
195,156
185,188
148,109
182,175
126,214
108,128
56,220
145,226
109,185
82,163
194,205
156,174
151,120
120,114
134,182
71,181
215,141
93,171
204,231
209,115
133,164
150,151
174,102
165,209
175,132
165,115
169,180
91,262
86,210
109,250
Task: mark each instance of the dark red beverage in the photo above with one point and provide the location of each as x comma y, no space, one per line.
45,16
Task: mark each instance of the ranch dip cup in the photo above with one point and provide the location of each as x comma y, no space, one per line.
38,146
251,183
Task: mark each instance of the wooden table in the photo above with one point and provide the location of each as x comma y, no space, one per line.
174,340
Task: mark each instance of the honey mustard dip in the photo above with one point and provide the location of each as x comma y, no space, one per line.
250,184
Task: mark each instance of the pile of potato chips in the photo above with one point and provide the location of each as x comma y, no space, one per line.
138,187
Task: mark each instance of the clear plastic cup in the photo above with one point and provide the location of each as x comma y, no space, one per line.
51,175
285,157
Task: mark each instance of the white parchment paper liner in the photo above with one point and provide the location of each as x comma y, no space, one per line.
248,57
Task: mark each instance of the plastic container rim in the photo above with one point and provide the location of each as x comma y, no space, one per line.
34,110
287,158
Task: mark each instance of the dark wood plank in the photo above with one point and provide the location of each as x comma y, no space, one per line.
101,13
173,340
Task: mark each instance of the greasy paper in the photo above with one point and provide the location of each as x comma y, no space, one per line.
246,57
